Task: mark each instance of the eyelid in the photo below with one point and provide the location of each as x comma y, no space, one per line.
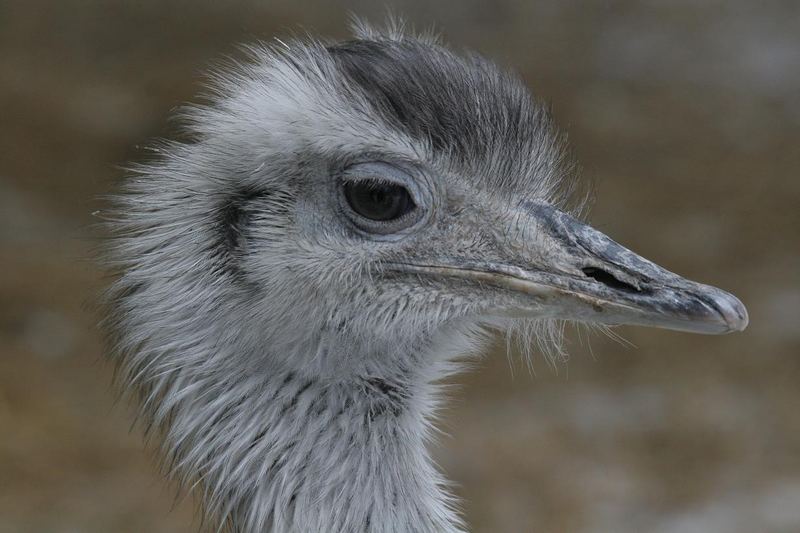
358,178
379,170
385,173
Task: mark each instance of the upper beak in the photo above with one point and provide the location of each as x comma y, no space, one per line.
583,275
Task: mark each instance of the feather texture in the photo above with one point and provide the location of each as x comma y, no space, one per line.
287,377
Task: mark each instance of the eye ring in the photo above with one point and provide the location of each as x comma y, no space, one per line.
379,199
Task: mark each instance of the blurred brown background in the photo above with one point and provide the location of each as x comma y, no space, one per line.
685,115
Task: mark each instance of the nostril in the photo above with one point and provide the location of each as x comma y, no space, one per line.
608,279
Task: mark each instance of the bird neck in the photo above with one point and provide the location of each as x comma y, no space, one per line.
294,453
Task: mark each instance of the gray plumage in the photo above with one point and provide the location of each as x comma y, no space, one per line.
285,349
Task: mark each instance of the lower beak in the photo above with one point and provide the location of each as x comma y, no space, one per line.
589,277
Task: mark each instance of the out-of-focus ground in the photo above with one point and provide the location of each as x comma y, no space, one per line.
685,115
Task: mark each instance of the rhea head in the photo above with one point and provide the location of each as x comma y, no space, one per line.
357,213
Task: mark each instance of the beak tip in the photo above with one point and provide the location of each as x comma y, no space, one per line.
732,311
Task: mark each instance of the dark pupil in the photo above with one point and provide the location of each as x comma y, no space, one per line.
377,200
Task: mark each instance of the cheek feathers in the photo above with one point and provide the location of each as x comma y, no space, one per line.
234,217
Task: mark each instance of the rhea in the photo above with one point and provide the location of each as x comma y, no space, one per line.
341,223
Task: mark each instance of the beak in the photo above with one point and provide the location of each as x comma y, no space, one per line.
581,274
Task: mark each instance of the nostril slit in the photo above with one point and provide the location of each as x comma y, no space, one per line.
608,279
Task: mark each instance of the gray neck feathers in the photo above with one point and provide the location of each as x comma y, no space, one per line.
274,447
293,453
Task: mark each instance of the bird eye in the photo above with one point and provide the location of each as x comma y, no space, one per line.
379,198
376,200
